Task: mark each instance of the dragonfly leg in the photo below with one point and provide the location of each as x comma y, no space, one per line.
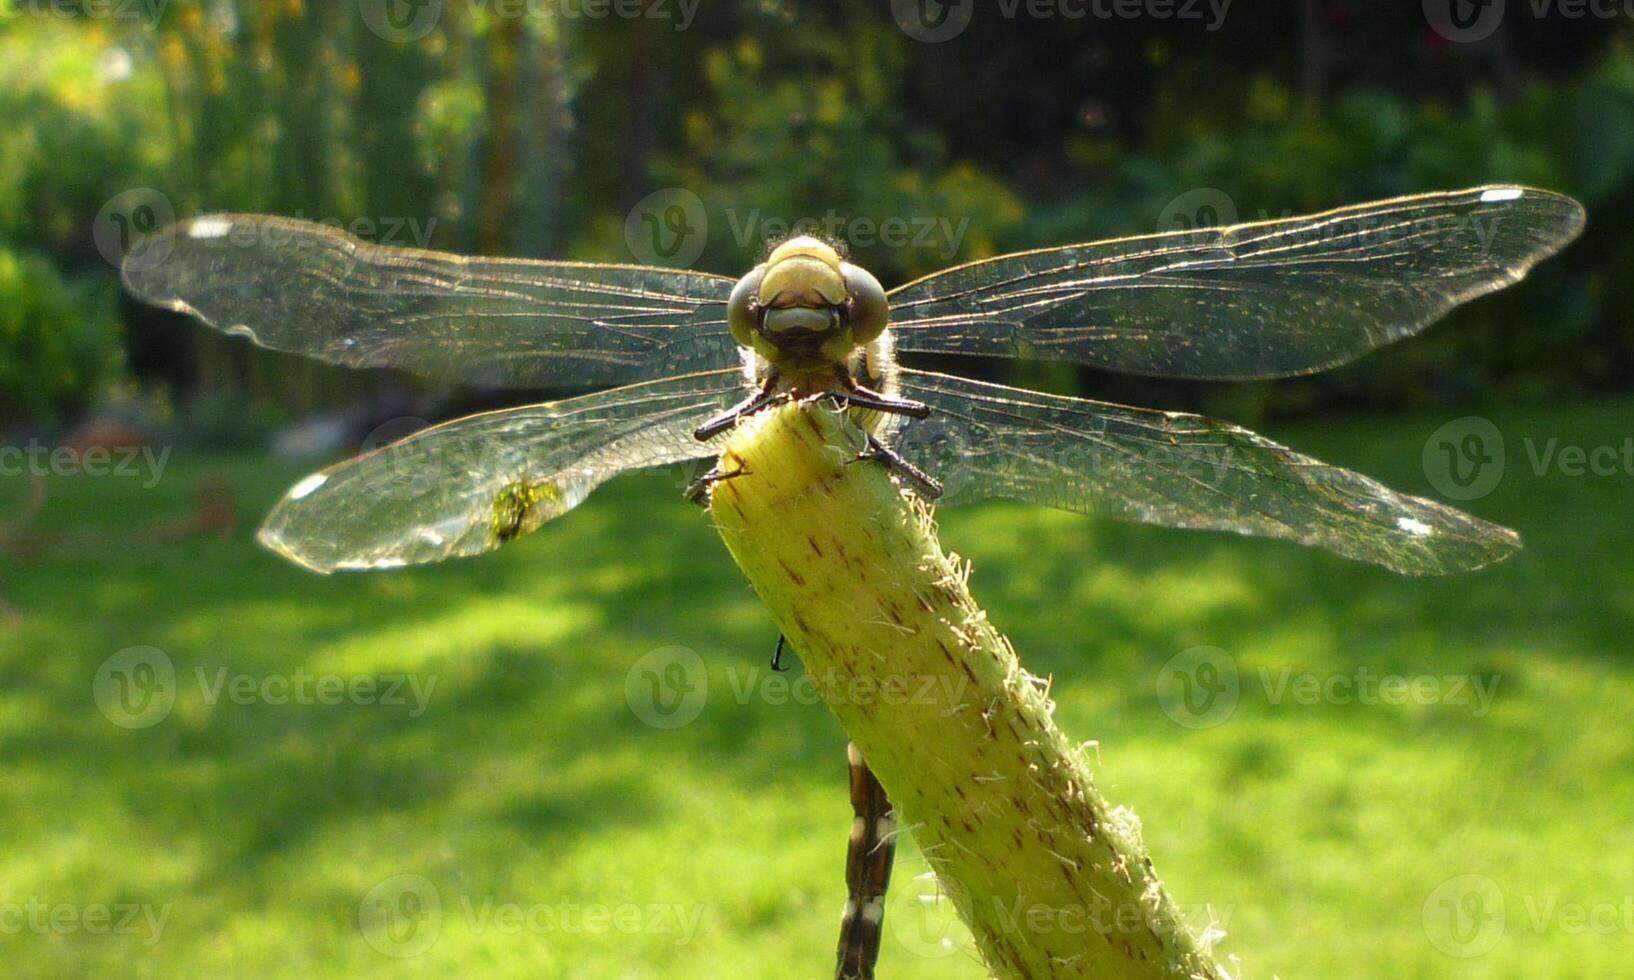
852,393
867,871
764,397
777,654
697,491
923,483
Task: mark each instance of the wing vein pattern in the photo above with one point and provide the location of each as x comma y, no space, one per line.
1261,300
1176,470
312,289
433,495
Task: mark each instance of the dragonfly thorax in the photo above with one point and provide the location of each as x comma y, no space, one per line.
805,308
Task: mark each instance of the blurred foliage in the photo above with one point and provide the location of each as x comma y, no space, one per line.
226,420
536,136
59,338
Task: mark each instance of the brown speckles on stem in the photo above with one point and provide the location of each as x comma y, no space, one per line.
998,798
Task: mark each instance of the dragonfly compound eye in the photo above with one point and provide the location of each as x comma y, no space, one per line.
867,310
743,309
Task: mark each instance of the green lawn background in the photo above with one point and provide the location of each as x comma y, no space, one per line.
1317,834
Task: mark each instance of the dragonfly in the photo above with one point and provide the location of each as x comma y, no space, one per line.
681,356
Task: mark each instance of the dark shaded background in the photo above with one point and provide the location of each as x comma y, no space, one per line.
469,129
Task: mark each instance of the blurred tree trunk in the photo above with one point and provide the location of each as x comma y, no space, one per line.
638,115
504,84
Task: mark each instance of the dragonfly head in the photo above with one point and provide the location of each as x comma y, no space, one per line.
805,308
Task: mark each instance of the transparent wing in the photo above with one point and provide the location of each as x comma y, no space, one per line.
311,289
468,486
1176,470
1258,300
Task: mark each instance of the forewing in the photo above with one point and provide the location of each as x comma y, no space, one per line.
1258,300
442,492
311,289
1177,470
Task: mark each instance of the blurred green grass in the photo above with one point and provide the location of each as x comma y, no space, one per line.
1315,833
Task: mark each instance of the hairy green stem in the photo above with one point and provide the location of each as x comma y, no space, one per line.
1052,881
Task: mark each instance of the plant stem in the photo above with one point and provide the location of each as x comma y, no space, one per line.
1051,880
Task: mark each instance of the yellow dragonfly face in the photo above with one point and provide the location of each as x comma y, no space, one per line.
805,308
